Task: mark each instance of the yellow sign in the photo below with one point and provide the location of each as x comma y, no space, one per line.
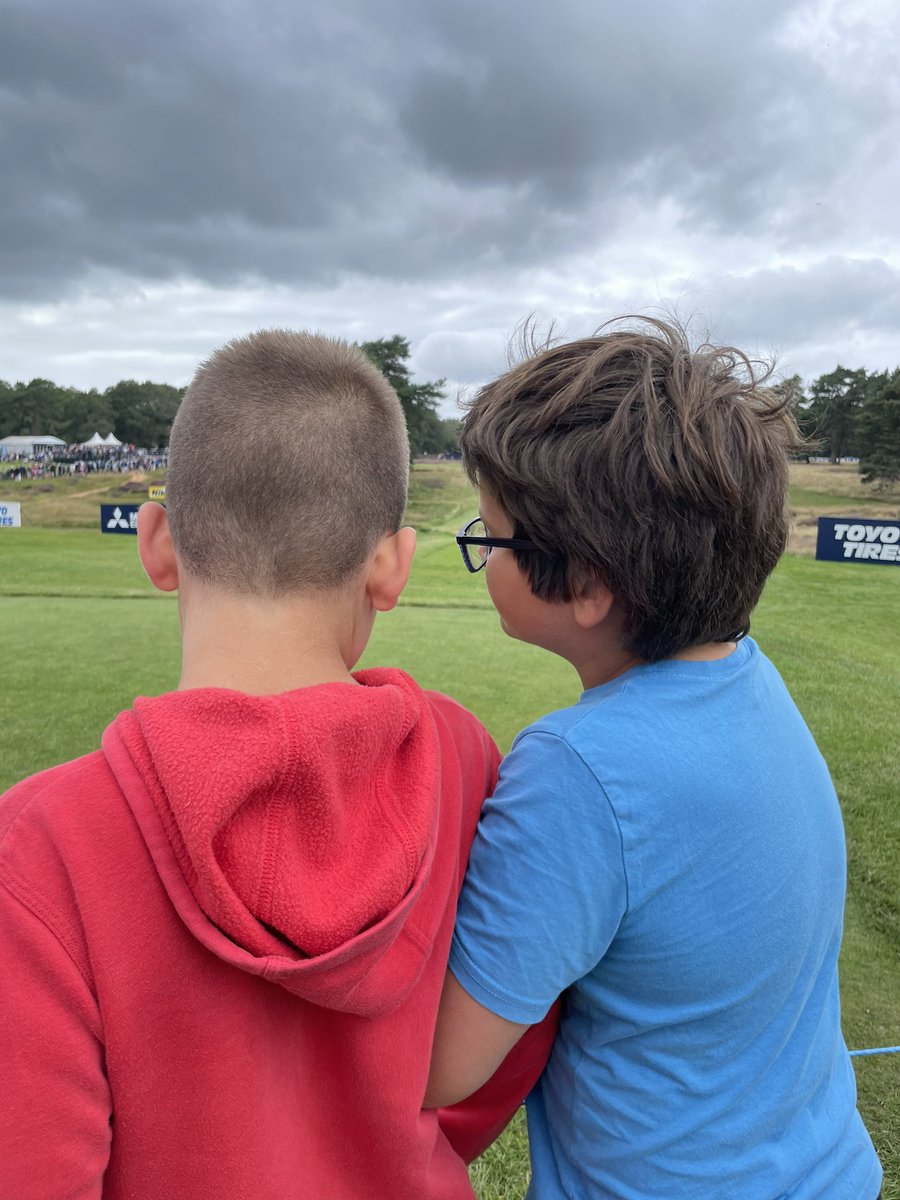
157,492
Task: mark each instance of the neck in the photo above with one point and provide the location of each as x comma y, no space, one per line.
262,647
605,669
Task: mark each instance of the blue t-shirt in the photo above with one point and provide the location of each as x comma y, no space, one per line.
669,853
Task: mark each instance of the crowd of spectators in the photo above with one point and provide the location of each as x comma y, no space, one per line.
80,460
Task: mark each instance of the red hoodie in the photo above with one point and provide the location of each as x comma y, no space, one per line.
224,939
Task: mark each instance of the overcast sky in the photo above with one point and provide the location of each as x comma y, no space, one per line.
176,172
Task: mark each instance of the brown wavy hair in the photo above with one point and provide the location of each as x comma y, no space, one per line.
657,468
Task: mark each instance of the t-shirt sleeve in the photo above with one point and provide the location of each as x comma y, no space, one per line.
545,888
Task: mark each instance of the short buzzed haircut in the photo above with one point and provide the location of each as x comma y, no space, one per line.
288,460
639,461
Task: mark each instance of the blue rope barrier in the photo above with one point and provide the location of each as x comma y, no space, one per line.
877,1050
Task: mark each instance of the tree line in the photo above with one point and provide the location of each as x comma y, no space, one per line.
843,414
851,414
141,414
138,413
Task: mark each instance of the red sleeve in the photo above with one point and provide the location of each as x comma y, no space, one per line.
54,1101
471,1125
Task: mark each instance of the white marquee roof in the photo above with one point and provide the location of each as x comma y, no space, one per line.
96,440
17,441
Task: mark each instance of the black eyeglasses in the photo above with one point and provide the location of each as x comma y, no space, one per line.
475,545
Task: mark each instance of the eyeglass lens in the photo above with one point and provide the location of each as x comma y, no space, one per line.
476,555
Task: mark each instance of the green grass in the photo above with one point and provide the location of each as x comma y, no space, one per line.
440,497
502,1172
77,649
70,666
835,503
71,562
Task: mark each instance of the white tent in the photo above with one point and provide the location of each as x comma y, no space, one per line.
29,444
111,440
94,440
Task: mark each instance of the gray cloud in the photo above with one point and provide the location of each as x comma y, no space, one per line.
172,139
809,319
833,298
709,104
294,143
176,173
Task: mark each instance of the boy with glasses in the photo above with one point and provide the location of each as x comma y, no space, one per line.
225,933
668,852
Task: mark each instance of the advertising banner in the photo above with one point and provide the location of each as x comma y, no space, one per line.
118,518
858,539
156,491
10,514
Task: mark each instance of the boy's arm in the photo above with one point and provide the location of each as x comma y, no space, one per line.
519,1054
470,1044
54,1101
543,896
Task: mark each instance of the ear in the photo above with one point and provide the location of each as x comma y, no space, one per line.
389,572
157,554
592,606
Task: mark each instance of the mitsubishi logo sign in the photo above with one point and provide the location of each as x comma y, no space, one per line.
118,518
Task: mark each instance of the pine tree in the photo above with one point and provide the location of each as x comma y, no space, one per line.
420,400
878,433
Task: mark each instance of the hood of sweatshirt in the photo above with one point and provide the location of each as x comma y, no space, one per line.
293,833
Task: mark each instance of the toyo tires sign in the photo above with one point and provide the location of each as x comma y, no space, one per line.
857,539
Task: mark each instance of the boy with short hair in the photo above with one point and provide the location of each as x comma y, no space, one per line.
225,933
669,851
